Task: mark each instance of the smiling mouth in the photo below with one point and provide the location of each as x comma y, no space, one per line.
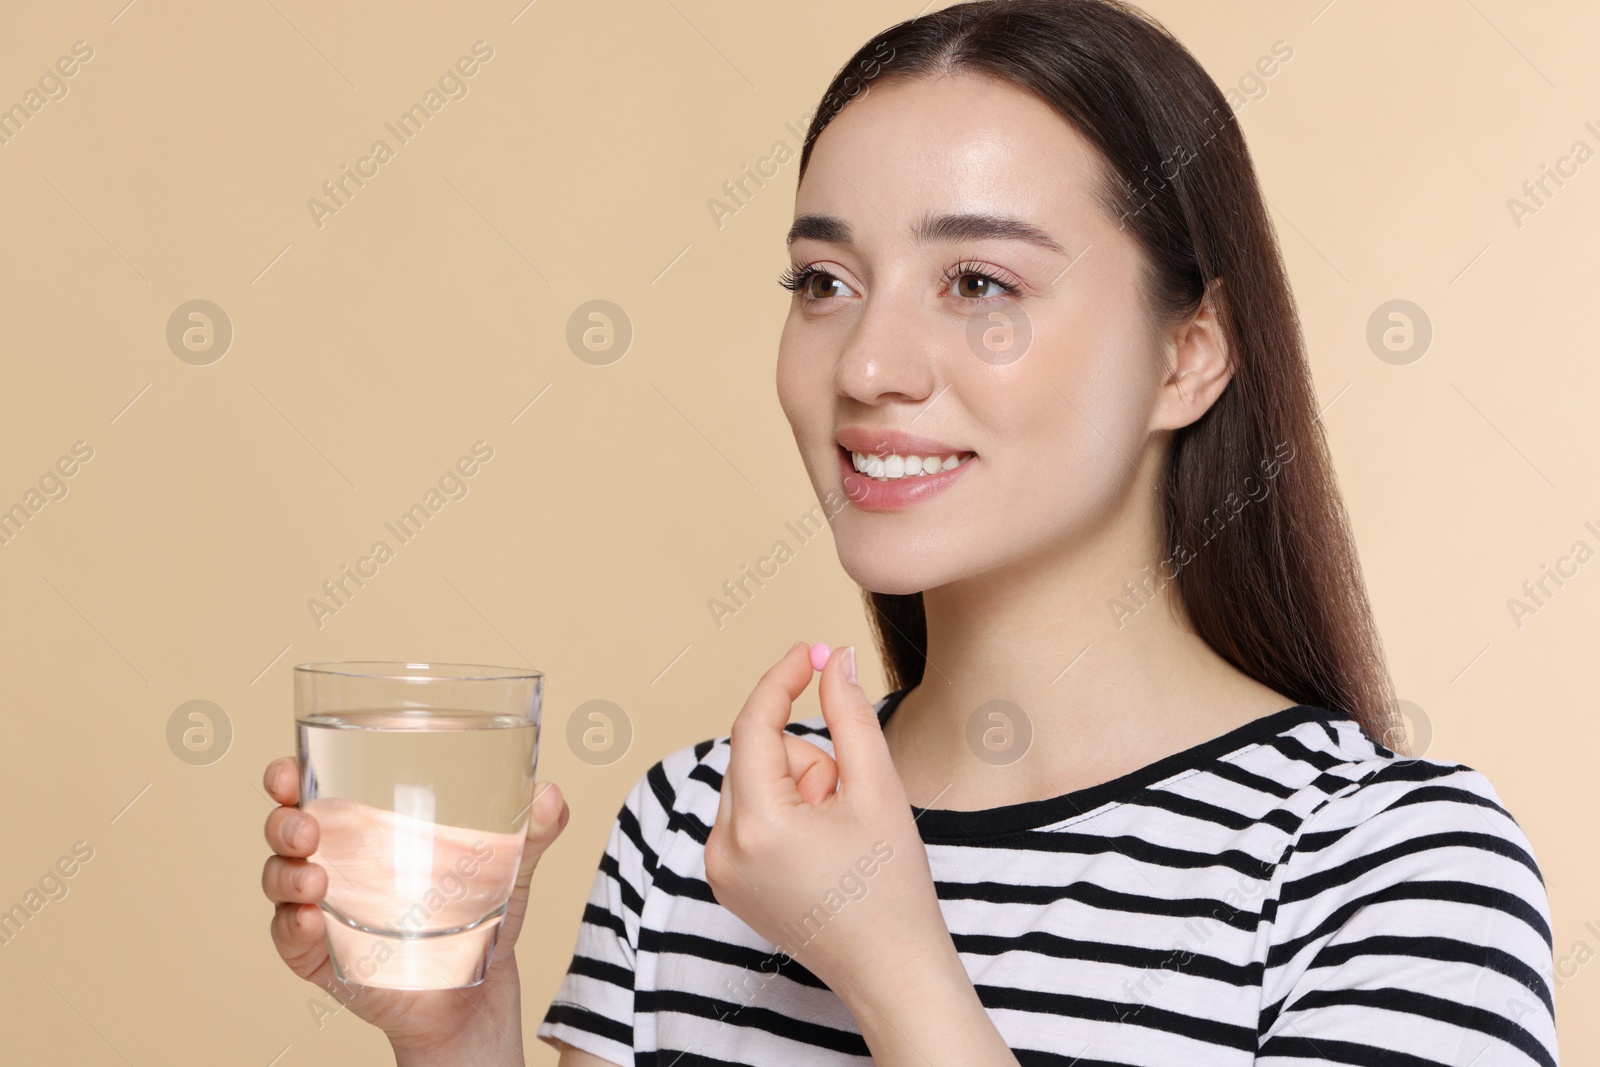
894,466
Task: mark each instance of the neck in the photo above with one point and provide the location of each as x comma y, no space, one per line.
1090,651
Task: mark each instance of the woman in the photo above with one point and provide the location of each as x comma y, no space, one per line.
1128,801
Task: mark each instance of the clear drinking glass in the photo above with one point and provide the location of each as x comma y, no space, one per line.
420,776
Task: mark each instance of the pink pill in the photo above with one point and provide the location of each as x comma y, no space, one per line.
819,656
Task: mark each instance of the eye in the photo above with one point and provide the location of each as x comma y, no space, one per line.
974,282
812,284
966,283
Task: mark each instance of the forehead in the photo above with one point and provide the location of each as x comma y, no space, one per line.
908,149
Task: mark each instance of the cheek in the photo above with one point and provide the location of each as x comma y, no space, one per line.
1111,399
803,382
1106,379
1075,420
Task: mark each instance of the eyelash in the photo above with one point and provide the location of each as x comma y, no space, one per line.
796,277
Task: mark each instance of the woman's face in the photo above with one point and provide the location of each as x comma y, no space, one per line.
896,345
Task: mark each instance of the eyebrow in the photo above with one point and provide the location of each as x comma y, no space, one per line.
964,227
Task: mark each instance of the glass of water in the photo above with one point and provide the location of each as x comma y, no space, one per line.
420,777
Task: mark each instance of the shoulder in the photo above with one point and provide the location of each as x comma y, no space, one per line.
1369,799
1336,777
1366,828
1363,808
1409,887
1411,847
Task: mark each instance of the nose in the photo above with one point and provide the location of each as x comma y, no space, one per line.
890,355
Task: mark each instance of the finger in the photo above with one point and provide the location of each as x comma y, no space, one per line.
813,770
292,832
293,881
297,932
547,819
283,780
858,745
758,759
724,801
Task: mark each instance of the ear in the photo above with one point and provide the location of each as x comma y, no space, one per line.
1201,366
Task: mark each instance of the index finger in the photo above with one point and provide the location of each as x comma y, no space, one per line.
283,780
757,757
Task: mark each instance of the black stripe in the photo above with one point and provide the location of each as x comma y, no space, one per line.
1104,1010
1452,892
1429,793
751,1016
628,823
1326,1050
600,970
1095,896
1204,811
1229,771
1418,770
1134,848
1296,750
709,776
630,896
1318,840
580,1018
673,884
1443,949
1430,1007
771,964
692,825
1332,783
661,786
1028,1057
1321,881
1057,947
684,1058
595,915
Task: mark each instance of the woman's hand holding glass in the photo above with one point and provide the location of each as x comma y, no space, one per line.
481,1024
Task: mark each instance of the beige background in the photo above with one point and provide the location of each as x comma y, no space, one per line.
426,314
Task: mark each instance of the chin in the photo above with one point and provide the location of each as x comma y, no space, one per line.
889,571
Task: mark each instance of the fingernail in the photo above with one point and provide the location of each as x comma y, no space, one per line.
298,879
850,664
819,656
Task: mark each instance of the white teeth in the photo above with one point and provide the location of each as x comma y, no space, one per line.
892,466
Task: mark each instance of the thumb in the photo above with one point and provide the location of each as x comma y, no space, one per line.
858,745
547,818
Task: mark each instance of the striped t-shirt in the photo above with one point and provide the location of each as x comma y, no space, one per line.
1287,893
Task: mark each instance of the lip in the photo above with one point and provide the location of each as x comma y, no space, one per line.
869,494
868,440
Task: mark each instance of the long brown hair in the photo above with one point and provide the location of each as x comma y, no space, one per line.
1275,588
